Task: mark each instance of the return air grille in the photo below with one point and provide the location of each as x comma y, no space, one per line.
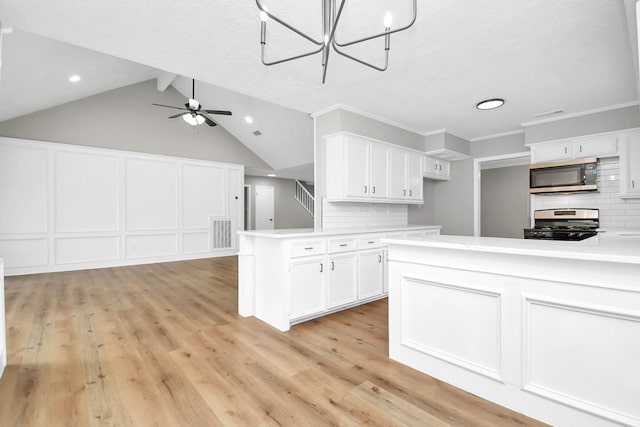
222,233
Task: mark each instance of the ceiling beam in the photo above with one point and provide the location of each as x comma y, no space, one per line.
164,79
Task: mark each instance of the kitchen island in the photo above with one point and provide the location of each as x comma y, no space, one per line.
550,329
290,276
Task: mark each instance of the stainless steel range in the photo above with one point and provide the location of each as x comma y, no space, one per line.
563,224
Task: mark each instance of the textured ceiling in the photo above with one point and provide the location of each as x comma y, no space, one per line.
540,55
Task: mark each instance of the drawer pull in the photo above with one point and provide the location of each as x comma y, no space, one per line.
333,266
321,267
371,242
308,249
342,245
379,258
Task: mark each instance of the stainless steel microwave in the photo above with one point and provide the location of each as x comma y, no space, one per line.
564,177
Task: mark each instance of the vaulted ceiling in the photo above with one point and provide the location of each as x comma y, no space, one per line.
541,56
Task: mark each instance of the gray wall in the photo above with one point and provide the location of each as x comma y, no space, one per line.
505,201
605,121
124,119
287,211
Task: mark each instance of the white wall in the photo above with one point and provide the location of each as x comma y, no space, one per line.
65,207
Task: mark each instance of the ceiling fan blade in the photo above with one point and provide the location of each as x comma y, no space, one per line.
224,113
177,115
170,106
207,120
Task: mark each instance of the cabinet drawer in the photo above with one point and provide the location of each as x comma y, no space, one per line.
370,242
342,245
312,247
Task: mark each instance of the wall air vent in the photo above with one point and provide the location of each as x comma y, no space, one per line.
549,113
222,233
257,133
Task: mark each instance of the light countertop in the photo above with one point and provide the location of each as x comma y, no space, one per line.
614,246
309,232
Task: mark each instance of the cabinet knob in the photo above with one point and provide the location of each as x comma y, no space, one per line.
365,189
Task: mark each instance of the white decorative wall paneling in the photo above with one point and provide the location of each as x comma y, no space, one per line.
65,207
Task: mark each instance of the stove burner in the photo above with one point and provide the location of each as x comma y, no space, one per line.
549,225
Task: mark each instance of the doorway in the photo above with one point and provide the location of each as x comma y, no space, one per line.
264,207
502,209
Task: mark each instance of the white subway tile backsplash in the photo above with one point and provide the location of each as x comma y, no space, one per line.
614,211
356,215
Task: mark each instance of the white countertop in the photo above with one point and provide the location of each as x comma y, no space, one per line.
309,232
613,246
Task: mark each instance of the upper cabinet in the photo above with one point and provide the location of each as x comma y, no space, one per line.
436,168
360,169
630,165
592,146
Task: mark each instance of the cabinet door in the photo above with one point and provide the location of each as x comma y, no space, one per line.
357,163
341,280
431,166
631,169
444,169
397,189
379,170
551,151
307,287
370,280
596,147
413,176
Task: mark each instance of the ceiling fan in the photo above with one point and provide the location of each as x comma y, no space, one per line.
194,114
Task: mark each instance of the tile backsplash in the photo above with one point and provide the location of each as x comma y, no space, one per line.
363,215
614,211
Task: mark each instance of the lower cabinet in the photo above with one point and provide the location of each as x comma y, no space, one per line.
307,287
342,278
371,274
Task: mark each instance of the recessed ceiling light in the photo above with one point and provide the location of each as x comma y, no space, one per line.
490,104
74,78
248,119
271,175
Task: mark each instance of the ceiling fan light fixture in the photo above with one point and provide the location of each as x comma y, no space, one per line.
490,104
193,119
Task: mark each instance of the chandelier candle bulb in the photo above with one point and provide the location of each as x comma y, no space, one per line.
388,20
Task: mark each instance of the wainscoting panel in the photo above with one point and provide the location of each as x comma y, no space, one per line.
195,242
454,323
151,245
66,207
585,374
26,252
198,201
23,189
71,250
87,192
152,195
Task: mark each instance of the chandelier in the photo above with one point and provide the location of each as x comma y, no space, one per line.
330,19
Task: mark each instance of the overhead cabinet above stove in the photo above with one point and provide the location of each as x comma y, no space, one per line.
575,148
360,169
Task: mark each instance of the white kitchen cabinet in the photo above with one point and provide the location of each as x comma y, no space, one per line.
363,170
288,278
630,166
405,175
592,146
307,287
342,279
379,171
371,274
356,155
436,168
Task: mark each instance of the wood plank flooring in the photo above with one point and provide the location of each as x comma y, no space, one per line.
163,345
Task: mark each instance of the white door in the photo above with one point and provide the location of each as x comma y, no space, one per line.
264,207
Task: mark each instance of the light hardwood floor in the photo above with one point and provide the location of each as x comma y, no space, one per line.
163,345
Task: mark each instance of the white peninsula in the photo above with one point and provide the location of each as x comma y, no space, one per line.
550,329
